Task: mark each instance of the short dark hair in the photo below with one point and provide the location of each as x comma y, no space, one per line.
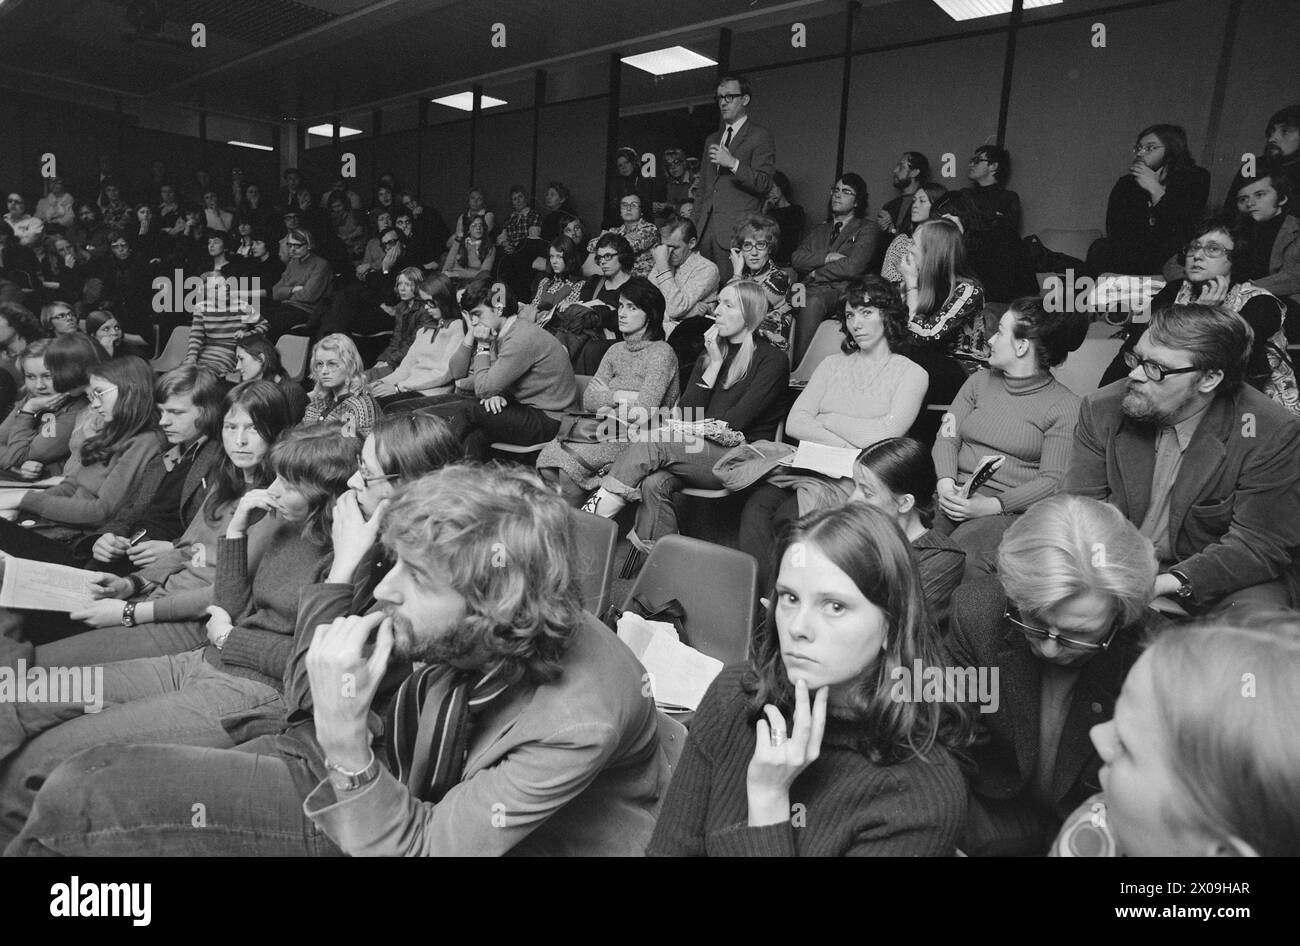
738,78
859,187
996,154
783,182
1054,334
559,188
70,359
1288,117
482,291
646,296
205,390
683,225
880,294
618,243
918,163
1214,338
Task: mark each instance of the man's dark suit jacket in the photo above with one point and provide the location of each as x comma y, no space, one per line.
1006,757
857,243
727,197
1234,515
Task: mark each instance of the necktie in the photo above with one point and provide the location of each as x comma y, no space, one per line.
726,142
835,230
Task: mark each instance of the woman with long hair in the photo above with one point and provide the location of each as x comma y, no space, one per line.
104,328
231,689
340,395
943,300
926,201
101,473
635,384
865,393
170,597
406,313
256,359
563,276
424,369
741,380
472,254
815,721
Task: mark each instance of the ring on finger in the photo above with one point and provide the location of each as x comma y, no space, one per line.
778,737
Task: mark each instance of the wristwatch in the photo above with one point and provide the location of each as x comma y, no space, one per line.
128,614
345,781
1184,584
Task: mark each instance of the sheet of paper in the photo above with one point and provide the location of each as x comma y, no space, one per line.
835,462
679,674
41,586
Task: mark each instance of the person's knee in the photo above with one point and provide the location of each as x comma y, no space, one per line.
659,487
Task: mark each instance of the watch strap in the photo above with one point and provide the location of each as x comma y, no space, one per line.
128,614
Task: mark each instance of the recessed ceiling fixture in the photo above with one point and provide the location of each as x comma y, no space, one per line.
249,144
661,62
465,101
974,9
327,131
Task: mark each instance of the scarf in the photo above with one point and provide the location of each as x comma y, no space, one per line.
442,701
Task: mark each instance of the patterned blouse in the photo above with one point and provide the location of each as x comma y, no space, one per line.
359,409
643,236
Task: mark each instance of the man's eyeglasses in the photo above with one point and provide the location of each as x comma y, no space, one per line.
120,246
749,245
1211,250
367,477
97,397
726,98
629,203
844,191
1042,634
1146,149
1154,370
605,257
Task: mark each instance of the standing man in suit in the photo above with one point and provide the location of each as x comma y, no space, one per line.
739,161
834,252
1206,467
1059,628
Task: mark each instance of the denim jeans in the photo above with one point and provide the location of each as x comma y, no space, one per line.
109,644
655,472
179,801
178,699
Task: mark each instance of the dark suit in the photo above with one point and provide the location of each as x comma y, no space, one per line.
1010,818
1234,513
857,242
727,197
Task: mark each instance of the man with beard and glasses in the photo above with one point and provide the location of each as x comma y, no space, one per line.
1204,465
525,731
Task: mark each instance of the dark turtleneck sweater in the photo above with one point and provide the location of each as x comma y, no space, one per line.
841,805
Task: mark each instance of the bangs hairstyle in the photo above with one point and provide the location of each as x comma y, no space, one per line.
268,409
71,358
36,349
1068,545
49,311
570,252
411,444
753,309
439,291
877,293
943,262
1280,183
486,291
134,413
618,243
646,296
1214,339
461,521
317,461
904,467
205,390
758,227
1053,334
349,358
266,353
413,275
1235,760
872,551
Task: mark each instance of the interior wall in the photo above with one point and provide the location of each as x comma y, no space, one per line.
446,168
1075,110
503,157
571,149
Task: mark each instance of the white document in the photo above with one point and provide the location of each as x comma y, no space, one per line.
835,462
679,675
41,586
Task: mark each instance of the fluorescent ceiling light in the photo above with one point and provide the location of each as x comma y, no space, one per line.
974,9
327,131
465,101
249,144
661,62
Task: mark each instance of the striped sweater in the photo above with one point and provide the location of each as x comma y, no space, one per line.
212,338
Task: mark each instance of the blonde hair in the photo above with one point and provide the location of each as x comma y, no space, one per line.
1068,545
1227,697
349,357
943,262
753,307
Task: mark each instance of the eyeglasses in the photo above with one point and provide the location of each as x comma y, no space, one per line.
368,478
1154,370
844,191
1146,149
749,245
1042,634
605,257
978,160
120,246
629,203
726,98
97,397
63,315
327,365
1211,250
